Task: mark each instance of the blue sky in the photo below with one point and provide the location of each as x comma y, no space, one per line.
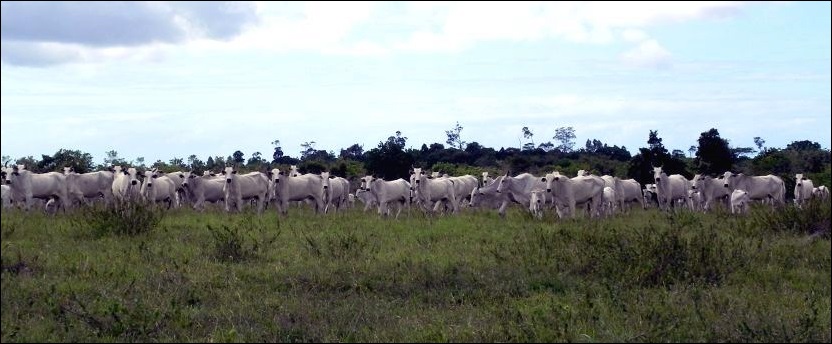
165,80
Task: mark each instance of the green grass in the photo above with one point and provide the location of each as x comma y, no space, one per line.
348,277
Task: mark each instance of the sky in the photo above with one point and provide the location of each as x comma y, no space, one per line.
164,80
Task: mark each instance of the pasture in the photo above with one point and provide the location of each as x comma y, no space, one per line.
215,277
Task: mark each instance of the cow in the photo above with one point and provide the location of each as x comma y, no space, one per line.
6,195
386,192
463,186
201,189
694,200
289,189
739,201
670,189
518,189
537,202
769,187
568,192
254,185
366,197
650,193
615,184
485,179
293,171
803,188
609,201
159,188
335,191
25,186
631,192
821,192
126,184
432,191
487,196
710,190
80,187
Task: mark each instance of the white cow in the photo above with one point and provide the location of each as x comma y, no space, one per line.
821,192
335,191
487,196
463,186
254,185
518,189
695,202
201,189
432,191
568,192
609,202
764,188
739,201
537,202
711,191
157,188
486,179
650,193
6,196
615,184
631,192
803,188
387,192
670,189
289,189
126,184
80,187
293,171
367,198
26,186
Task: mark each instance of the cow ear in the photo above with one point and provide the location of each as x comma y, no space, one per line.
234,172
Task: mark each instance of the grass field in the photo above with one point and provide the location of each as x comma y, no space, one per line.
347,277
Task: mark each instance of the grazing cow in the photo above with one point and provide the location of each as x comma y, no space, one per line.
289,189
25,186
769,187
126,185
568,192
631,192
739,201
386,192
463,186
159,188
432,191
537,202
821,192
335,191
803,188
366,197
487,196
710,190
670,189
201,189
80,187
254,185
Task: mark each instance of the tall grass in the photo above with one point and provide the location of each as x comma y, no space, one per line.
645,276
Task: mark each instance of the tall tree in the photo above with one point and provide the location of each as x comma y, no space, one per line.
354,152
454,139
278,151
566,137
527,134
389,160
308,149
238,158
759,142
713,156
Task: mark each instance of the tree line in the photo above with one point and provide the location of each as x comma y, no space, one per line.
390,159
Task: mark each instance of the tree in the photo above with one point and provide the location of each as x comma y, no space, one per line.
389,160
238,158
759,142
178,163
527,134
566,137
80,162
546,146
210,164
713,155
196,165
256,161
140,162
454,140
112,159
804,145
308,149
399,140
30,163
655,154
692,150
354,152
278,151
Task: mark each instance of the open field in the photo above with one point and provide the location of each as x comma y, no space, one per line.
644,276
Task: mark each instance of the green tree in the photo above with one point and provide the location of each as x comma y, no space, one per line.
389,160
238,158
566,137
713,155
454,138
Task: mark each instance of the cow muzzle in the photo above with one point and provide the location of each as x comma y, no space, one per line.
548,190
228,181
326,187
134,182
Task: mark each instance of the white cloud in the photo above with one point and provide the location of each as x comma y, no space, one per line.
648,53
633,35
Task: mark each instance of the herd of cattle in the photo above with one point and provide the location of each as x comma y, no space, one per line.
598,196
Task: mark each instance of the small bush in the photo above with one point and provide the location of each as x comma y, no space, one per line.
242,240
813,218
123,217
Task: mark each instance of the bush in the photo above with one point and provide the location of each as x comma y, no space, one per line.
813,218
242,240
123,217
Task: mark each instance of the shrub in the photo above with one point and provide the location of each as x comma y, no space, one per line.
123,217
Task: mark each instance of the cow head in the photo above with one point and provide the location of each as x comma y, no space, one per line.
293,171
415,177
799,178
325,180
729,179
229,173
186,177
133,176
657,174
